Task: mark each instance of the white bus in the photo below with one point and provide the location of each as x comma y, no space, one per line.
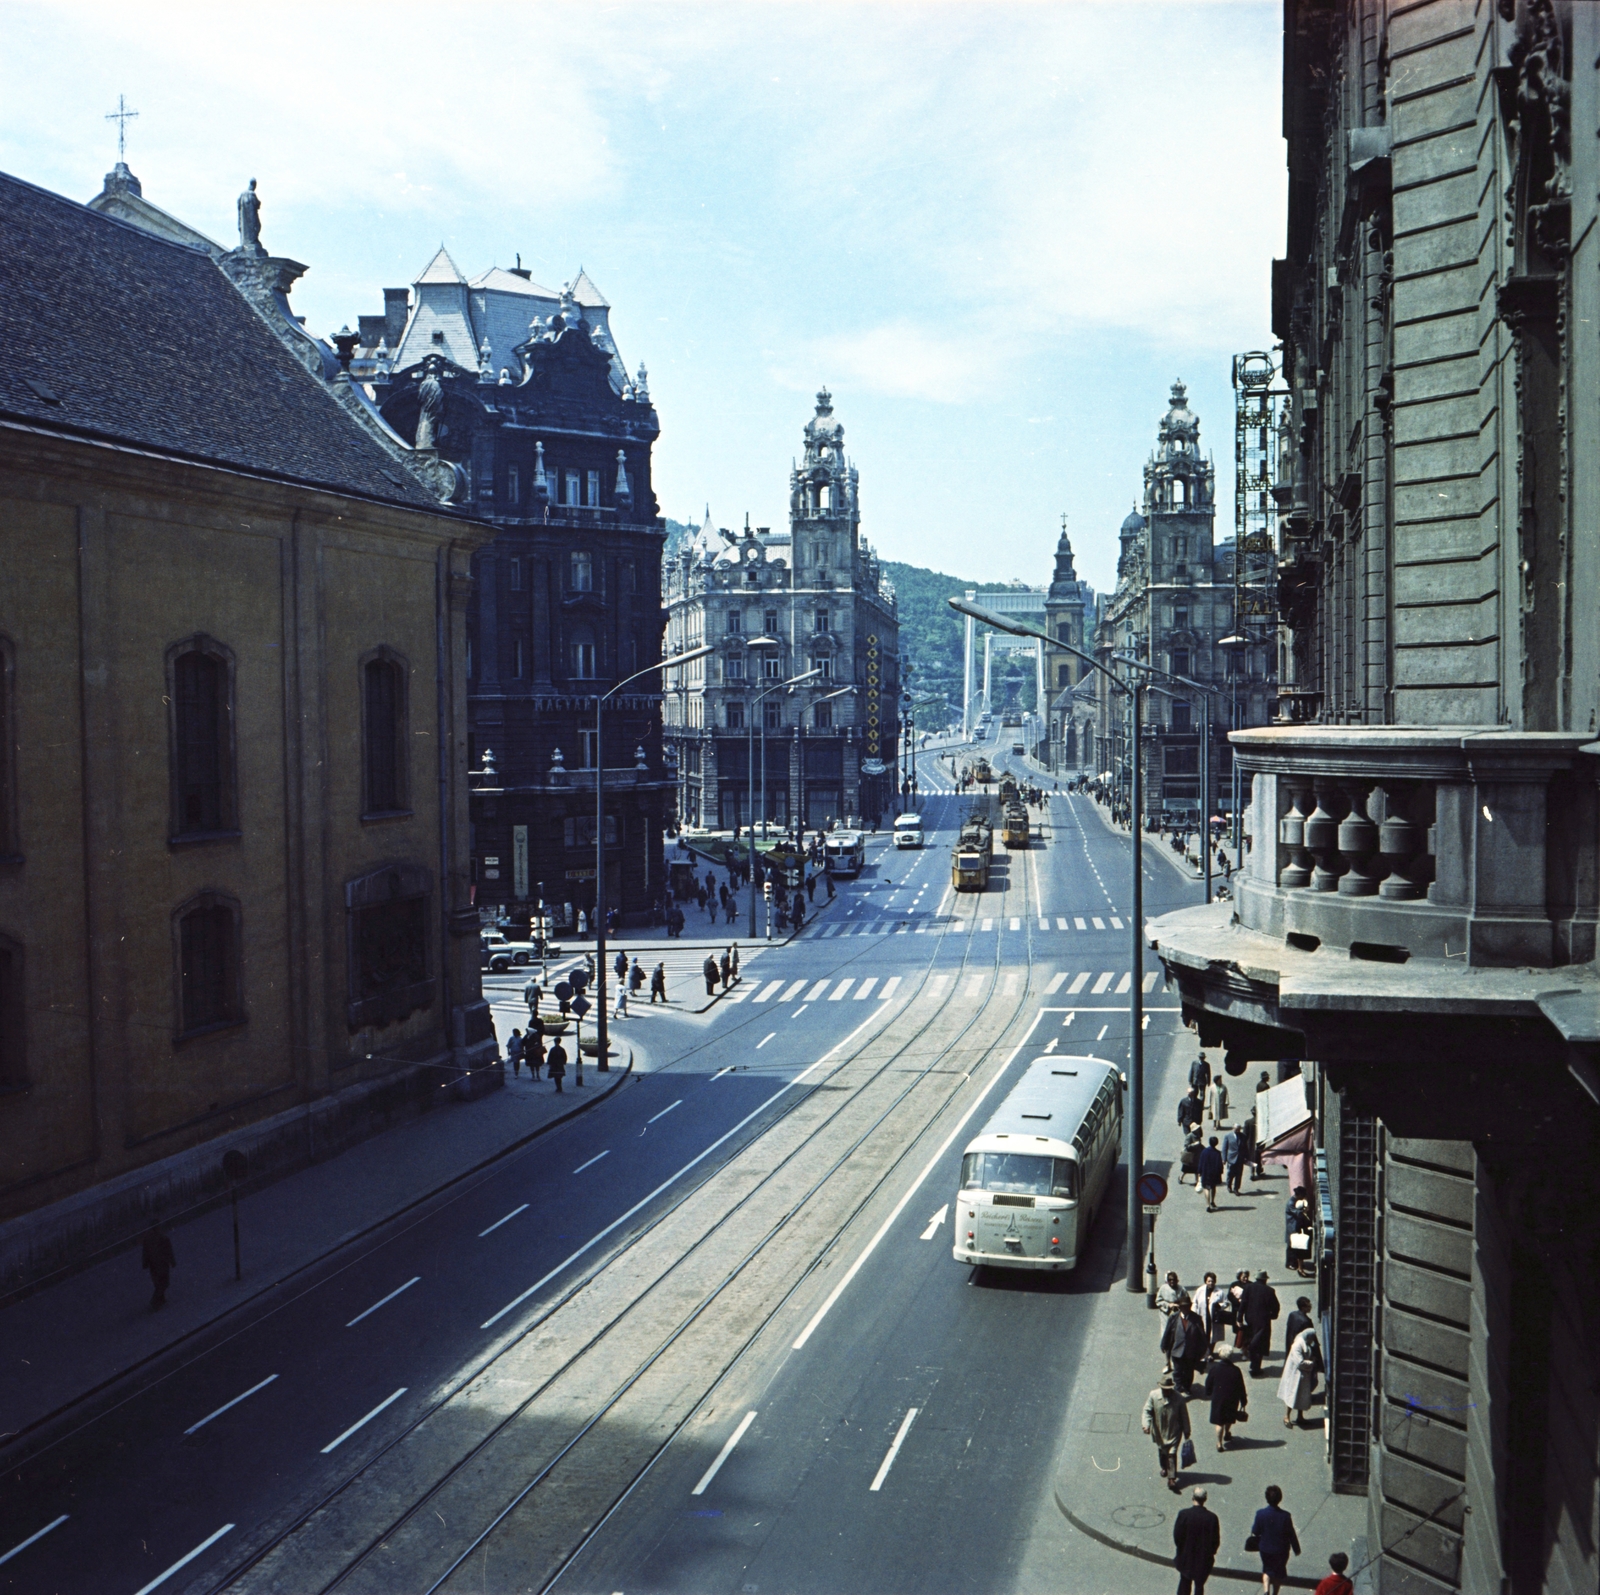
845,853
908,831
1033,1178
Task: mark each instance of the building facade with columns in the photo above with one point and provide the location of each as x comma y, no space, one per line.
522,390
818,591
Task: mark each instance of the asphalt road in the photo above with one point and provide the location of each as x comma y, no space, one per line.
187,1479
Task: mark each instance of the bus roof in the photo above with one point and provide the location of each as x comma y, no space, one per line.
908,822
1051,1098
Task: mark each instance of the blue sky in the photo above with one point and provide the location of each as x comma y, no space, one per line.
997,232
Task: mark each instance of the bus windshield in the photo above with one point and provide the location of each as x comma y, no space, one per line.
1019,1174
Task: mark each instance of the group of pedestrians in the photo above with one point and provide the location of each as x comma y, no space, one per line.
722,971
1221,1159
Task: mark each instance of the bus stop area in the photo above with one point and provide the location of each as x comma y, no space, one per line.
1108,1482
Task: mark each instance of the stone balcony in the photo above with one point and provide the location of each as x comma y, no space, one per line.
1416,899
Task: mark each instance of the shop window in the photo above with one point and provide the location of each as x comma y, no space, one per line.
200,695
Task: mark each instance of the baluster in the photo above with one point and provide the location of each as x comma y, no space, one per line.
1292,835
1322,836
1358,844
1399,843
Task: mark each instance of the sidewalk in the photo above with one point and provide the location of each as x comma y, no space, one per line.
1108,1484
71,1340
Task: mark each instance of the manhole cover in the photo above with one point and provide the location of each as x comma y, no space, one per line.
1138,1517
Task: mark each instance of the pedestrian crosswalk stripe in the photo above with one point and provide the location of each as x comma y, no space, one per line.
817,990
877,929
1116,924
865,988
1044,922
974,985
768,990
1061,923
1099,924
1016,924
739,994
1101,984
840,990
1149,983
1079,923
988,924
888,987
1056,983
1078,983
1125,984
789,995
1009,983
937,984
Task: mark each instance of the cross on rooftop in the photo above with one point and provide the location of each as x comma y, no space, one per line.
121,116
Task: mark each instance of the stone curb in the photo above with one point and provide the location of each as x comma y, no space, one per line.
13,1443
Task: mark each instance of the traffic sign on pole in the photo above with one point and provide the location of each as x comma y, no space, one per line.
1152,1189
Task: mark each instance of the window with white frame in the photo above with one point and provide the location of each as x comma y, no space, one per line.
582,571
593,490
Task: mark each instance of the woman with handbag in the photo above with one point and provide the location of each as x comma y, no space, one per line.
1229,1398
1299,1379
1166,1420
1272,1537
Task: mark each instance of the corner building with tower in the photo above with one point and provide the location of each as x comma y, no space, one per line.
819,593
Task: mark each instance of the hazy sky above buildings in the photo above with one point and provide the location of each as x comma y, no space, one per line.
997,232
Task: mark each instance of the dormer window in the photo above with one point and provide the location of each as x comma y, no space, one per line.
438,334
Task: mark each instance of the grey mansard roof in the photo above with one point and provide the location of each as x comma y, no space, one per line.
112,333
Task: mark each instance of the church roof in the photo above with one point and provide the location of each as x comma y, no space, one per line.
440,269
154,347
585,292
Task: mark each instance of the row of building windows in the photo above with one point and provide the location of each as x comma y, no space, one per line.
565,487
202,740
821,621
580,574
582,657
772,716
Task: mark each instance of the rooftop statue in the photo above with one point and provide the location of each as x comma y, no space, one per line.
250,221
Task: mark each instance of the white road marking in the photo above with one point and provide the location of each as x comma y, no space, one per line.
1116,924
38,1534
607,1153
723,1454
717,1076
666,1184
1080,923
1125,984
944,901
361,1423
1102,1035
911,1190
1149,983
671,1105
888,987
1055,985
839,991
1062,923
817,990
227,1404
800,1010
384,1303
768,990
1044,922
894,1449
793,991
865,988
988,924
1099,924
936,984
934,1223
1068,1019
765,1039
184,1561
511,1215
1078,983
1016,923
1103,982
1009,982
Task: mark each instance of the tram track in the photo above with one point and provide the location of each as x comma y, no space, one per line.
660,1315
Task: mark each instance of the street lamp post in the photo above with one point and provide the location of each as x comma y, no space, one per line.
602,1023
750,773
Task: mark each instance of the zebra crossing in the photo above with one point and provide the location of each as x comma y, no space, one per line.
941,984
916,925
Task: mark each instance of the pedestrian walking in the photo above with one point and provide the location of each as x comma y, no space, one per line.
635,977
621,1009
658,984
731,908
811,886
583,921
1196,1537
710,971
1260,1313
533,1049
1299,1319
514,1052
1297,1232
1191,1111
1336,1583
1273,1538
736,963
725,967
1199,1076
1211,1303
1230,1400
1184,1342
797,911
1299,1381
1233,1160
828,879
531,993
1166,1420
1217,1102
1170,1294
619,966
1210,1174
158,1260
557,1062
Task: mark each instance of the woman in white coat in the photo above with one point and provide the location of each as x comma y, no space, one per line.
1299,1379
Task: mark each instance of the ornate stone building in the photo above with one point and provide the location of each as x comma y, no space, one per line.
819,590
523,390
1172,604
1417,920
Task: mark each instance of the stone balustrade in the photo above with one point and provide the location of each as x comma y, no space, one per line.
1395,842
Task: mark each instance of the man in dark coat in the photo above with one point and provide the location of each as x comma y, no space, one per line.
1299,1319
1199,1076
557,1062
1191,1112
158,1258
712,975
1184,1341
1197,1534
1260,1312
